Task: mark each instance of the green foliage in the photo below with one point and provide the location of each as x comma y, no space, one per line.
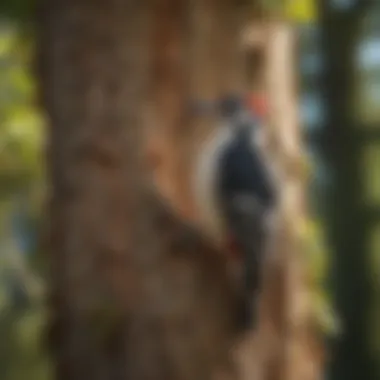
21,177
20,10
317,263
298,11
374,330
20,124
22,353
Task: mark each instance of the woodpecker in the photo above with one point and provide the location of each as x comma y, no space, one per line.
237,196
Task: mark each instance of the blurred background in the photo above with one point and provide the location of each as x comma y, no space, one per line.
338,68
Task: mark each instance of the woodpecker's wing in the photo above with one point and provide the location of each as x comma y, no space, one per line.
246,219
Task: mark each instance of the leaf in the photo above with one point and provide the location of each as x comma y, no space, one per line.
301,11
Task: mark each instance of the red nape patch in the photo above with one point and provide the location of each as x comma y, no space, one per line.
257,104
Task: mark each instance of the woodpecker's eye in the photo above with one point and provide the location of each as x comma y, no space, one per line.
230,105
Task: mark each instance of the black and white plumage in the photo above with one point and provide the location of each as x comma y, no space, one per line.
236,193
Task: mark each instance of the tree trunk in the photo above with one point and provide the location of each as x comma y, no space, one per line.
136,293
300,356
91,74
286,344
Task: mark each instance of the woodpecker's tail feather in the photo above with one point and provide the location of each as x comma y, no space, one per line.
251,288
247,225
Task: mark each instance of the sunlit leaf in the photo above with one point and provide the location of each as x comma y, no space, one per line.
6,44
301,11
298,11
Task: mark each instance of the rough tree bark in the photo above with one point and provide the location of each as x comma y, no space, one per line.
136,293
301,347
286,345
292,347
91,73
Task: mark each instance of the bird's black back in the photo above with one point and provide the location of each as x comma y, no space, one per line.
243,171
